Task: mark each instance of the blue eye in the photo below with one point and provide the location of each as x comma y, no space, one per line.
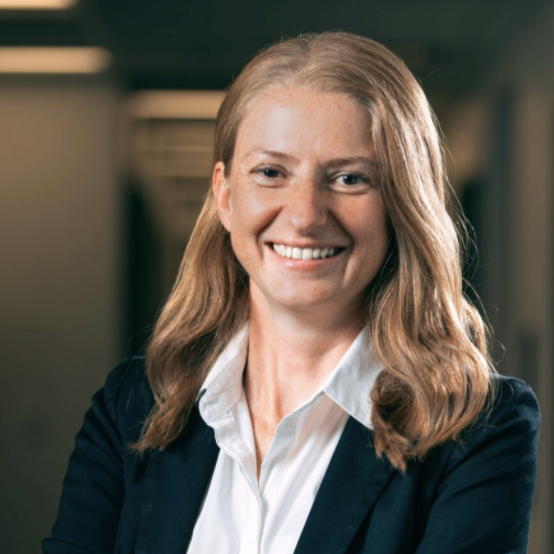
352,179
270,173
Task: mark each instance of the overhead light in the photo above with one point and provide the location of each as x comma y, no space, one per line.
53,60
36,4
175,104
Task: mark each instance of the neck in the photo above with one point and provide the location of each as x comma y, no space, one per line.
291,353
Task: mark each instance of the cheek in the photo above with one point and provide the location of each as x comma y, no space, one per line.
250,215
252,210
376,243
374,232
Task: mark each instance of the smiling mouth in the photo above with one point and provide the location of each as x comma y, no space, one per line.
295,253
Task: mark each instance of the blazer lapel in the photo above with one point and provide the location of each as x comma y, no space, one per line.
352,484
175,485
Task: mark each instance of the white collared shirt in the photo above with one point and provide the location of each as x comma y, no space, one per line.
243,516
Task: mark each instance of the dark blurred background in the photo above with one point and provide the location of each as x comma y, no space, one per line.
106,122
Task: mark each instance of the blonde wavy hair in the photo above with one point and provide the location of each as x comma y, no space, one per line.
432,342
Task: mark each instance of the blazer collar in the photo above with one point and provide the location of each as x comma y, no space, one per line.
350,488
177,480
175,485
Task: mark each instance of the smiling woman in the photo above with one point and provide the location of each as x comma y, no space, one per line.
302,181
317,381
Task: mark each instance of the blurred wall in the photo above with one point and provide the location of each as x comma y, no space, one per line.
531,330
527,76
60,230
507,152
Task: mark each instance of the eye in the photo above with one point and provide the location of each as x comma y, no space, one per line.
351,179
270,173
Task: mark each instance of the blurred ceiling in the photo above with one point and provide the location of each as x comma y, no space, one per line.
202,44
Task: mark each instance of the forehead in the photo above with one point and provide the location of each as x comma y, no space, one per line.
305,121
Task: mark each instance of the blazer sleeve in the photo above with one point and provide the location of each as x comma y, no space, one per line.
93,488
483,504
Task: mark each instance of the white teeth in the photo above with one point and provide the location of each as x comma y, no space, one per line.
304,253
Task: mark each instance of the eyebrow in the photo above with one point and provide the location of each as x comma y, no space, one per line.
331,163
355,159
272,153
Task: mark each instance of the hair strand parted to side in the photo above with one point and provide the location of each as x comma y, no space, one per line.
431,340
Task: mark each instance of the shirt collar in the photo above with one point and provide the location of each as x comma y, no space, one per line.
348,385
222,387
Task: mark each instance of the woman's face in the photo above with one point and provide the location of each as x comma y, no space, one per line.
301,202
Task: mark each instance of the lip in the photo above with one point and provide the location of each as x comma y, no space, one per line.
294,244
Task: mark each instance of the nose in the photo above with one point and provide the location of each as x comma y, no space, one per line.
307,205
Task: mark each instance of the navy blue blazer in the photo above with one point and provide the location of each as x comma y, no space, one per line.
471,498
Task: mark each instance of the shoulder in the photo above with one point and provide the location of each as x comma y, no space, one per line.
509,423
470,487
128,397
513,403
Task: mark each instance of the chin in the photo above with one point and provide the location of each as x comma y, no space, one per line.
304,304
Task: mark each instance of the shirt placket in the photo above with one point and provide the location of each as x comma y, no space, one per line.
272,471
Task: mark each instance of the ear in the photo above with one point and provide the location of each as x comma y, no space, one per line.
222,194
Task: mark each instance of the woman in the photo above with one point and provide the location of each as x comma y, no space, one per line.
316,382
